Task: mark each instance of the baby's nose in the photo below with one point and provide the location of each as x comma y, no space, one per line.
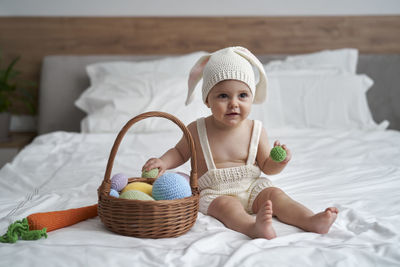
234,102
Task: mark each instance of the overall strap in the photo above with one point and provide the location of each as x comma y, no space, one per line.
205,146
255,138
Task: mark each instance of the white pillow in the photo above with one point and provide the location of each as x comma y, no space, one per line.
173,65
121,90
327,61
270,113
326,101
111,103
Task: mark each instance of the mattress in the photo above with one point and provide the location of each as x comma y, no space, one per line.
354,170
342,156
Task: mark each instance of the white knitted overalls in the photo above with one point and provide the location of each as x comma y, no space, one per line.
243,182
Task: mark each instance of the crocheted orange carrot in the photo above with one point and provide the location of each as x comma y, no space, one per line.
58,219
35,225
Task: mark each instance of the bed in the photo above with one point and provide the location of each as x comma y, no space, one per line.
342,156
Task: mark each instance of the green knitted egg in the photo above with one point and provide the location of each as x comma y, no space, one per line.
135,194
153,173
278,154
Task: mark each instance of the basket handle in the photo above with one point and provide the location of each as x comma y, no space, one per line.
121,134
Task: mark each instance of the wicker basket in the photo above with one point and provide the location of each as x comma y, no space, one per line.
148,219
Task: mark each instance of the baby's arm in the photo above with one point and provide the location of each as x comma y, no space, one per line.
173,158
265,162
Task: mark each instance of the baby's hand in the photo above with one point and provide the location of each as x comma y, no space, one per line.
288,153
154,163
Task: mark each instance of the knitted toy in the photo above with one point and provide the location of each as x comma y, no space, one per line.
140,186
187,177
114,193
153,173
36,225
278,154
171,186
119,181
135,194
20,230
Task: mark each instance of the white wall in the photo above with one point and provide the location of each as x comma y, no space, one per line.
197,7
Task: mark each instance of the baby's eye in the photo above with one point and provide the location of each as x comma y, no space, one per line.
222,96
243,95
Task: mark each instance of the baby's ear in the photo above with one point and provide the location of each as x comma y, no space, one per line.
196,73
207,104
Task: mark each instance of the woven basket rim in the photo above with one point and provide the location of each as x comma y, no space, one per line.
105,186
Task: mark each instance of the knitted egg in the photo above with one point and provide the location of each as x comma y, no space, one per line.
153,173
140,186
119,181
114,193
278,154
171,186
135,194
187,177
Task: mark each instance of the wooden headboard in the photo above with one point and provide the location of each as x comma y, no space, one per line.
35,37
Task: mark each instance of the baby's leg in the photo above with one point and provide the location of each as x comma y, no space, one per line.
291,212
230,212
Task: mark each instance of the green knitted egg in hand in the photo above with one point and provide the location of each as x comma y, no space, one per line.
153,173
278,154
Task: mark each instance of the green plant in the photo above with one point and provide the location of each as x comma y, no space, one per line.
13,89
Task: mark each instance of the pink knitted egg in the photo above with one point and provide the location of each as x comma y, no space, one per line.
119,181
187,177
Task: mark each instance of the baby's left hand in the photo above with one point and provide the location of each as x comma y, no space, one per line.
288,153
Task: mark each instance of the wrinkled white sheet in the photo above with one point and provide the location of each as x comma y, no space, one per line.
357,171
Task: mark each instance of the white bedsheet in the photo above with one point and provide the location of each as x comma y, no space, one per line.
357,171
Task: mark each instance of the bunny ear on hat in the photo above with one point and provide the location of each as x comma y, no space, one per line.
196,73
261,86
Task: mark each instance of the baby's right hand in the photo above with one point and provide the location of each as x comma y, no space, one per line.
154,163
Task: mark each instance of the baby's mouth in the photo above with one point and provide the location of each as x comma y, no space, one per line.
232,113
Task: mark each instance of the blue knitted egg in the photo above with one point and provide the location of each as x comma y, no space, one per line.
119,181
171,186
114,193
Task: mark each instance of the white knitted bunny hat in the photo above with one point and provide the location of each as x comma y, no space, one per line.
231,63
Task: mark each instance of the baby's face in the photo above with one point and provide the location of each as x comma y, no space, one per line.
230,102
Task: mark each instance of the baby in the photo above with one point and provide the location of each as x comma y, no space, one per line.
233,151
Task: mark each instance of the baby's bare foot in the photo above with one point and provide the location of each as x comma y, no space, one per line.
263,225
322,222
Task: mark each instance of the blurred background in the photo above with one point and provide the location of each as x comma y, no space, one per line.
32,29
197,8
